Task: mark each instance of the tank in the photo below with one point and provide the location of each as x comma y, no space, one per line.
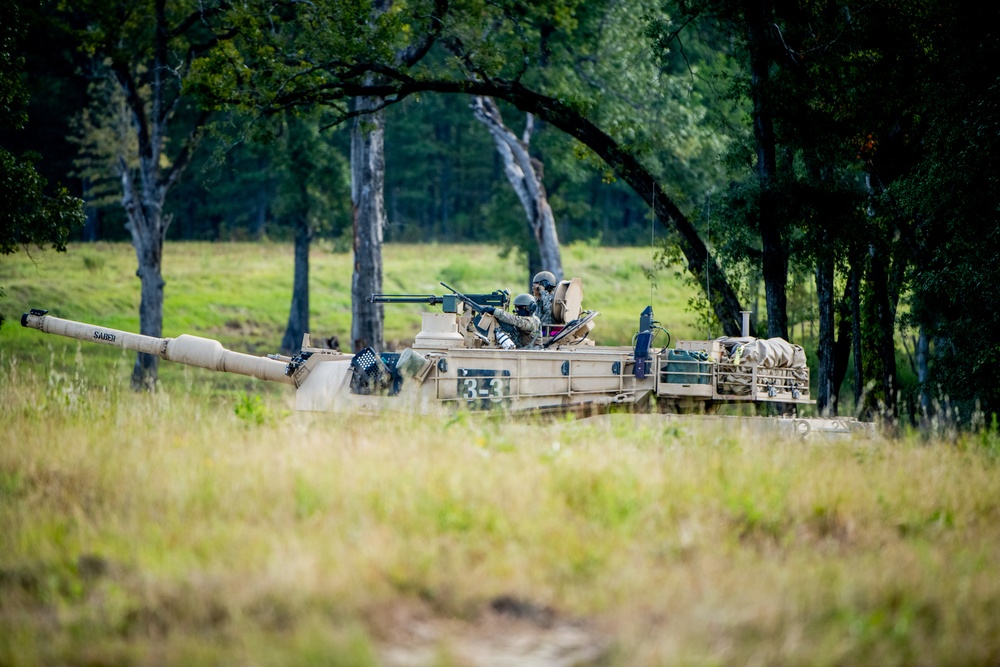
458,360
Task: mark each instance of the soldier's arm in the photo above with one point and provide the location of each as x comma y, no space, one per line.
522,323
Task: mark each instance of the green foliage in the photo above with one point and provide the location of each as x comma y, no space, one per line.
949,203
611,498
30,214
574,52
312,178
102,133
250,409
869,108
990,437
13,96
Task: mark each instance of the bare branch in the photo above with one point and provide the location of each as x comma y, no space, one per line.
795,56
195,17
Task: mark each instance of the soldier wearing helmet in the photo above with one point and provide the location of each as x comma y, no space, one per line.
522,325
543,286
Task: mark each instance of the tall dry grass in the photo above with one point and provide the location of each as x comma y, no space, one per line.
179,528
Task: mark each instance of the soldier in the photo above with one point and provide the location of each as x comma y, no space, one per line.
522,325
543,285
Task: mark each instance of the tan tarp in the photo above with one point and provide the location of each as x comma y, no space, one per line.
777,361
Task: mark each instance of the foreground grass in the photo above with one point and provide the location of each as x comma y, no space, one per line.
185,528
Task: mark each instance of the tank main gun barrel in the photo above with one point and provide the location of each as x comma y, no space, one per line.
449,302
189,350
430,299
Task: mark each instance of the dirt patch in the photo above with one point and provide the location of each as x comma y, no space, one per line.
505,631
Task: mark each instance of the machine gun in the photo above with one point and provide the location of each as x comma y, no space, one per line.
449,302
475,302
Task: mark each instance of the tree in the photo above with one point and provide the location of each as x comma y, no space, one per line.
846,103
368,203
836,124
525,175
774,255
368,187
341,54
311,174
146,50
950,200
445,182
30,212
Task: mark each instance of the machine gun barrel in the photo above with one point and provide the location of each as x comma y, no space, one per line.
430,299
449,302
185,349
498,299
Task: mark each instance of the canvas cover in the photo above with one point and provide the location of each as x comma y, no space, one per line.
777,362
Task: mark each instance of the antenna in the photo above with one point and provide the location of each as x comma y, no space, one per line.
652,240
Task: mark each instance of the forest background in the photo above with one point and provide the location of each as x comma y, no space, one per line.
766,146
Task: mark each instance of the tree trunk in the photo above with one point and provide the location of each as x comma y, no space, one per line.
884,281
881,332
859,375
146,369
298,316
534,265
826,388
525,175
923,353
145,187
148,228
775,273
842,346
367,182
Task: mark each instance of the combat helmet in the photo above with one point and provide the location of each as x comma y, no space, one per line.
545,278
524,304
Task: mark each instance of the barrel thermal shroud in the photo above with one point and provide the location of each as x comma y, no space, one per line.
185,349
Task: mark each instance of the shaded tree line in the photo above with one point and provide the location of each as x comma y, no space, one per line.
849,108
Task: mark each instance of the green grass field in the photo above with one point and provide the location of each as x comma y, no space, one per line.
208,524
240,294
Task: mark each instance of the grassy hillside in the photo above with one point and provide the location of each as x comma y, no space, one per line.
240,294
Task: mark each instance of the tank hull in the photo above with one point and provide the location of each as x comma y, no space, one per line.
578,379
